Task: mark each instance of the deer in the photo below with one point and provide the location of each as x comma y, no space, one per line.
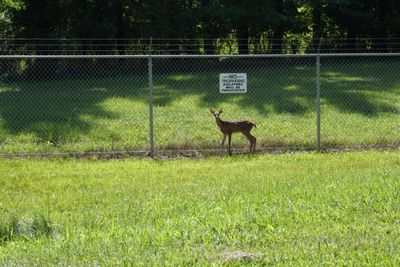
229,127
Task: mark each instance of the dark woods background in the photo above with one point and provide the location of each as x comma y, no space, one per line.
198,26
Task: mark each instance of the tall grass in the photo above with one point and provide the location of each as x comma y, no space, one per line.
13,228
289,209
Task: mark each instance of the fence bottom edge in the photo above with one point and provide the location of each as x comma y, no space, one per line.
193,153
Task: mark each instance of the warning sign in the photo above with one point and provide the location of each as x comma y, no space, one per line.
232,83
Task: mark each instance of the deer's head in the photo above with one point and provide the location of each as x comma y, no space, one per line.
215,113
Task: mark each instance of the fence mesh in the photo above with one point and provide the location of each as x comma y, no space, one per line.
101,104
279,99
360,101
73,105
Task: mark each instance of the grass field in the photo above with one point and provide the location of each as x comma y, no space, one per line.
360,104
290,209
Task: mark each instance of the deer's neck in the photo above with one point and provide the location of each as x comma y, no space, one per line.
220,122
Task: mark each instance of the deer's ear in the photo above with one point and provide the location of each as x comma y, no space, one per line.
211,110
221,110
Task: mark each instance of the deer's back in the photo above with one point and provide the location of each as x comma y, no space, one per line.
236,126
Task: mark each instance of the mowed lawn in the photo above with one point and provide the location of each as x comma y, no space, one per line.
360,104
296,209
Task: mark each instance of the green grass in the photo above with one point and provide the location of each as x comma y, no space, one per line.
290,209
360,104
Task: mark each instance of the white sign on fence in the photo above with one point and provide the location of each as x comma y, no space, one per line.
232,83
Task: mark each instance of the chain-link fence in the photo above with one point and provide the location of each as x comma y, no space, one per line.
360,100
64,104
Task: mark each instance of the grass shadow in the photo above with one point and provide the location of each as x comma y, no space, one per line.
290,87
58,109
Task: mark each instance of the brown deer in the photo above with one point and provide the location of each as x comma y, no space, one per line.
229,127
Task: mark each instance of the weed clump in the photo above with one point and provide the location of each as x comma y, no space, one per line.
12,228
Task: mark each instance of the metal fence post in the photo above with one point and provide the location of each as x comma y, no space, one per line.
318,98
151,102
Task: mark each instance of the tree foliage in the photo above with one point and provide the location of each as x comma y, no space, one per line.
250,26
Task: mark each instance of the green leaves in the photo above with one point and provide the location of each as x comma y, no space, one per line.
15,4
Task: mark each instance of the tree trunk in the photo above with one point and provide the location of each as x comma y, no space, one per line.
384,10
277,41
351,45
207,32
243,42
316,25
120,25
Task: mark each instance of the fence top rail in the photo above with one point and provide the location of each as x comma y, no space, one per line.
200,56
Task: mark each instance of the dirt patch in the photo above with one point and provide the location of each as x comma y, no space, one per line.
191,153
240,256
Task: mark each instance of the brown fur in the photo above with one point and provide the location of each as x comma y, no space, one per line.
229,127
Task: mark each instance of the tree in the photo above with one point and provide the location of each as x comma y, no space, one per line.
255,25
7,7
354,17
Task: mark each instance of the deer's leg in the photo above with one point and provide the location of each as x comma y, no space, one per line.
250,138
229,143
254,144
253,141
223,141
